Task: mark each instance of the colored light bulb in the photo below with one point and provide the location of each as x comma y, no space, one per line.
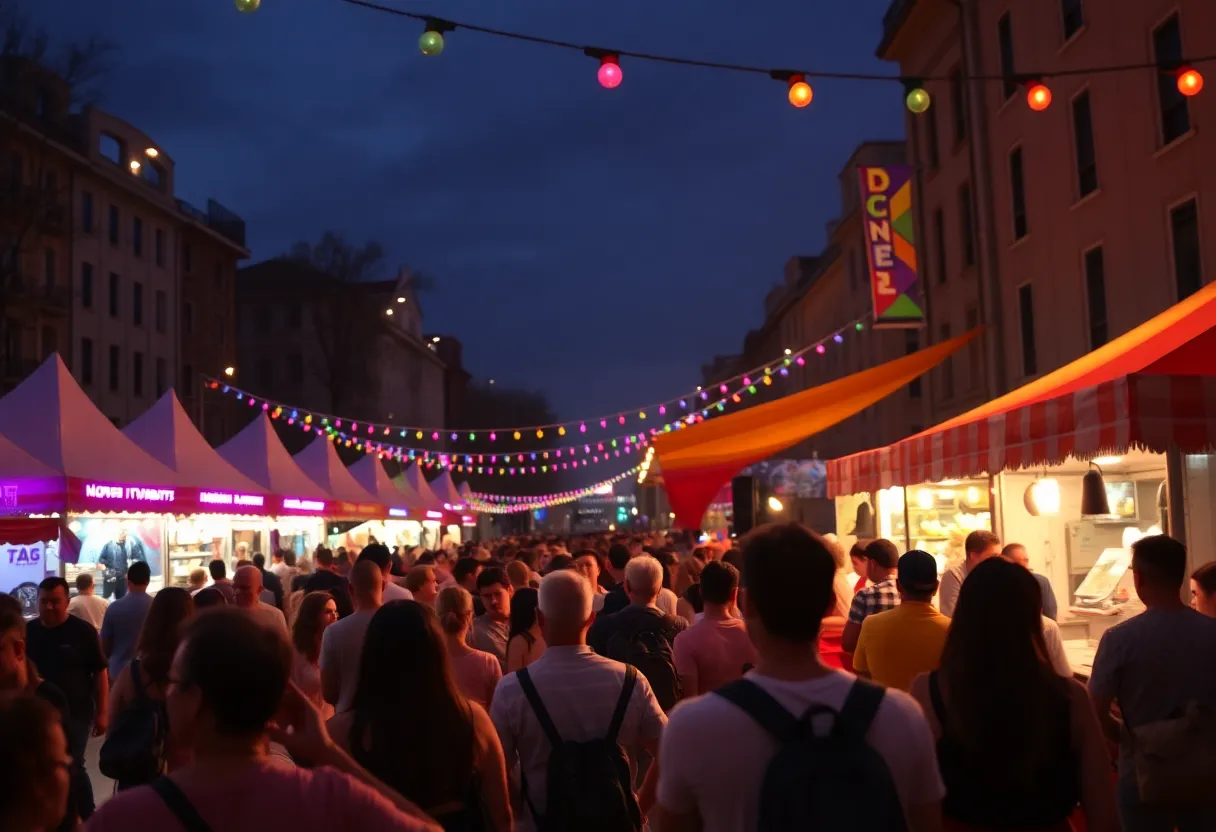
609,74
431,43
247,6
821,349
1190,82
918,100
1038,97
800,91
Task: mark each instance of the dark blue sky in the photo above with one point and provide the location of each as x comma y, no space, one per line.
597,245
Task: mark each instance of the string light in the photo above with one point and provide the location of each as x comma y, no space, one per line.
1190,82
247,6
1038,96
916,97
609,73
431,42
800,91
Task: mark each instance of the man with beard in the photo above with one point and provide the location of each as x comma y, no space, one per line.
115,557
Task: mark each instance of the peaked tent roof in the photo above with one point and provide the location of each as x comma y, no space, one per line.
258,454
464,491
370,474
320,462
17,464
427,498
446,491
166,433
50,418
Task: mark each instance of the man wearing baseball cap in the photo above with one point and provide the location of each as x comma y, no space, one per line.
896,645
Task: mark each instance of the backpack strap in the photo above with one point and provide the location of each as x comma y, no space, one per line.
622,704
179,805
538,707
858,711
757,703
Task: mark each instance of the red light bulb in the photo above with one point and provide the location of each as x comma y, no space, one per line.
1038,97
1190,82
610,76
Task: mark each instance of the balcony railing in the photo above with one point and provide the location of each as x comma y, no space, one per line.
218,218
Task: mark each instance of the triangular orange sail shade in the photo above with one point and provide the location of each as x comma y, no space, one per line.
696,461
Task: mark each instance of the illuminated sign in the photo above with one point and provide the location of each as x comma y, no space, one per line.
293,504
224,498
398,512
434,515
467,520
886,207
137,493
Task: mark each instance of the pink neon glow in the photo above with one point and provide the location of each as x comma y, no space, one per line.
225,498
295,504
434,515
97,491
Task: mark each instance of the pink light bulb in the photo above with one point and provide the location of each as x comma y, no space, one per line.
821,349
621,419
582,428
493,436
265,406
662,410
609,74
435,436
603,423
746,381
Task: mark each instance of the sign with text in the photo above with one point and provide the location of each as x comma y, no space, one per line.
890,241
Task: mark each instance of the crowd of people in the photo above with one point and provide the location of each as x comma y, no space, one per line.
612,682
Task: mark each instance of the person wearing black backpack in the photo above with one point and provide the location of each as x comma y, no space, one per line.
568,718
642,635
796,745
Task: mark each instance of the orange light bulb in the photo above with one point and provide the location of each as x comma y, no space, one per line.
1038,97
1190,82
800,91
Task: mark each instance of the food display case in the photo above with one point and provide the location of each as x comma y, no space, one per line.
941,515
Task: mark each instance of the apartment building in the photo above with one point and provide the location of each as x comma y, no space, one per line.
354,349
1064,228
101,251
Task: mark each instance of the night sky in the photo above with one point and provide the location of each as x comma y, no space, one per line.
597,245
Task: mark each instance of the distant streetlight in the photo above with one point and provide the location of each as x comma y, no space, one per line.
435,340
151,152
400,300
134,166
388,311
775,505
230,371
491,381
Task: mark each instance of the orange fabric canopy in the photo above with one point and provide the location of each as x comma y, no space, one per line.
696,461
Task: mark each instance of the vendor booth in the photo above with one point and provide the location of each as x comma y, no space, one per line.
446,491
1075,465
432,512
402,528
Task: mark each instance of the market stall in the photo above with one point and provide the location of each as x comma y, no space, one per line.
453,502
1083,461
401,527
432,512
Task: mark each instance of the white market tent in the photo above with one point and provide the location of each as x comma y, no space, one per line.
258,454
427,498
444,489
370,474
166,433
320,462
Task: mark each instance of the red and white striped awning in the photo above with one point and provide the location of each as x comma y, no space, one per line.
1153,388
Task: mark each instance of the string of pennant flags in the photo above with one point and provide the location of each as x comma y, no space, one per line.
575,440
486,503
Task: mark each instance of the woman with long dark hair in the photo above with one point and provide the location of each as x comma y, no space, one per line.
147,676
525,643
317,611
1019,746
411,727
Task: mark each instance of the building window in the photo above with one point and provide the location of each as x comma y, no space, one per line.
1030,356
1095,296
947,366
1167,52
295,369
931,144
974,357
187,258
966,225
137,236
86,212
1004,30
113,295
160,377
113,225
958,104
48,257
159,244
1083,141
1188,266
1073,16
86,361
939,240
159,312
1017,193
115,361
137,303
137,373
86,285
911,345
188,318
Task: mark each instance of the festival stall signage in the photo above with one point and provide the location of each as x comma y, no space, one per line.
890,240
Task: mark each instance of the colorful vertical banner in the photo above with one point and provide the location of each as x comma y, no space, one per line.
890,240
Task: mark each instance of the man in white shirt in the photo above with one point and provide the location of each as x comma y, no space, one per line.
579,690
979,546
86,605
247,586
379,554
714,756
342,643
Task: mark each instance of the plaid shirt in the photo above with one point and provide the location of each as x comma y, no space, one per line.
878,597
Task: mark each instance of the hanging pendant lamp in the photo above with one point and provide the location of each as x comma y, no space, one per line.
1094,502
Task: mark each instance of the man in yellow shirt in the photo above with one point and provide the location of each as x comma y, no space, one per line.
897,644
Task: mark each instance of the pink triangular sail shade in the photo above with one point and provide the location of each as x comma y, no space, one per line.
369,472
417,482
321,463
166,433
444,489
258,454
50,418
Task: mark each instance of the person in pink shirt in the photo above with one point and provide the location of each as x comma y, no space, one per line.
476,671
716,649
229,695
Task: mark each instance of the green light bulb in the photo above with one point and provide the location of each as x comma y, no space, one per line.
431,43
247,6
918,100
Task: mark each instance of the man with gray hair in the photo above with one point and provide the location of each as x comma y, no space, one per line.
86,604
642,634
573,693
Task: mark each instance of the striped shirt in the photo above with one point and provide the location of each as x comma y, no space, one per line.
580,690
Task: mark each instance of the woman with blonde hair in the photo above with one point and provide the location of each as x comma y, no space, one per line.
476,671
